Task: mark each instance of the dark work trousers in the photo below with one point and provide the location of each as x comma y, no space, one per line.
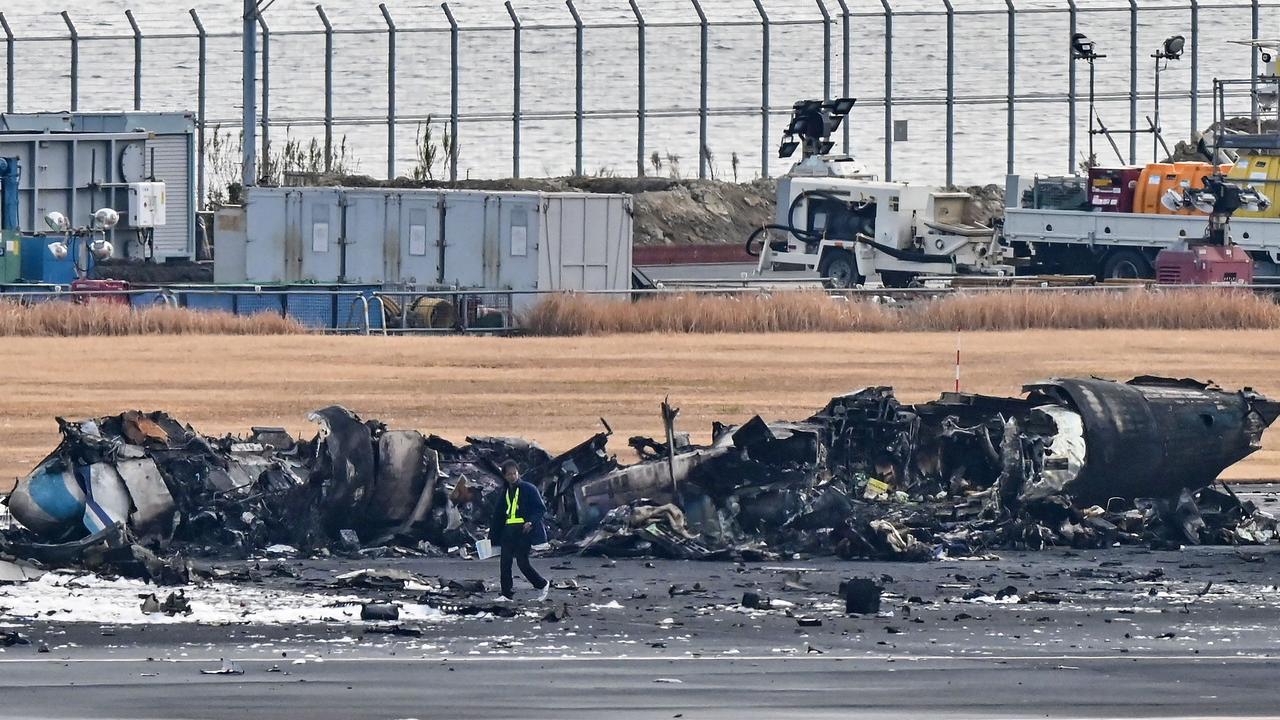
515,546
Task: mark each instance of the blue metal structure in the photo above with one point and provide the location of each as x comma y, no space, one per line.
10,243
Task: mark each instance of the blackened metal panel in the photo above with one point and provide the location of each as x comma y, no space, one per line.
1151,438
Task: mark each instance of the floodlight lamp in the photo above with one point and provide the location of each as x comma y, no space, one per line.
58,250
841,106
825,147
101,249
57,221
1172,200
106,218
1173,47
1082,48
834,123
788,148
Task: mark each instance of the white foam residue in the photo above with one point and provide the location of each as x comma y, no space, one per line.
65,597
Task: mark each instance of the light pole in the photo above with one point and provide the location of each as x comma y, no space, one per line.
1170,50
1082,48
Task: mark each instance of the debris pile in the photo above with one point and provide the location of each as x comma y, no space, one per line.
1073,462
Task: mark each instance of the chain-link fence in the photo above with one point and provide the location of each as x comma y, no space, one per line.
945,94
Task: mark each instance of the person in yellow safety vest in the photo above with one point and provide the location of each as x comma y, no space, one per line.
517,526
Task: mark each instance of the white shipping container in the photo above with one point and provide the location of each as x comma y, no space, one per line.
435,238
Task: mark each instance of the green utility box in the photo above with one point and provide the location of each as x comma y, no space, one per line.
10,256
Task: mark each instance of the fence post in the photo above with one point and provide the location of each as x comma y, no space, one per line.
391,90
328,88
202,96
1255,24
515,89
1073,14
764,89
453,93
1133,81
704,152
249,93
845,89
951,92
10,51
577,88
641,89
1011,67
888,90
1195,63
826,50
267,170
75,61
137,60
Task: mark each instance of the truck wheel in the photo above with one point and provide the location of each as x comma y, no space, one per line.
1127,265
840,269
898,278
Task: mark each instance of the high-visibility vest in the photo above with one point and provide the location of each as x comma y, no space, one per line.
513,506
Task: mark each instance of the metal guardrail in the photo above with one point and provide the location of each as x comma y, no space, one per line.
850,23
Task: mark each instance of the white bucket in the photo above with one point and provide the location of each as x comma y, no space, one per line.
484,549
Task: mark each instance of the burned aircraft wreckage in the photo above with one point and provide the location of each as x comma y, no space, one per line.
1072,462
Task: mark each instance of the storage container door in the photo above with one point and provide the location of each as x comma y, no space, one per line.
267,225
169,158
597,233
363,236
564,236
419,239
519,242
464,233
321,230
621,244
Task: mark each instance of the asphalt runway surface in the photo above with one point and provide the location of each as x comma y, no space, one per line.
1114,633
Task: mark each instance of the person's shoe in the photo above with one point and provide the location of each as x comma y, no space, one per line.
502,599
545,591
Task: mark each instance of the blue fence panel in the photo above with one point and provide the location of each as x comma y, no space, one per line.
259,303
312,309
147,299
208,301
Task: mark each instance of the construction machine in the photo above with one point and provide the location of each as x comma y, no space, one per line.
854,230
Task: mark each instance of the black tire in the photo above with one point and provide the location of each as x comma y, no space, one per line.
1128,265
898,278
840,269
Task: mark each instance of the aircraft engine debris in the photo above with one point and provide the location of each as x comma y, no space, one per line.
1072,462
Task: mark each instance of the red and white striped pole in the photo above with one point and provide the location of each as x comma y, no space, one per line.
957,362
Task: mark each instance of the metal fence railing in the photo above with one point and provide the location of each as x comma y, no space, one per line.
739,75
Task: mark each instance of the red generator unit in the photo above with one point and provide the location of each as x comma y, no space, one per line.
103,286
1204,265
1113,189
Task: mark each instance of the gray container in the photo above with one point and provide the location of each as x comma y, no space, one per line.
433,238
76,163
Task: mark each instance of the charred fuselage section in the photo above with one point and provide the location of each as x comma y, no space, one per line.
1071,462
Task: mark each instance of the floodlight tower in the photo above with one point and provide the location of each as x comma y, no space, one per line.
1171,49
1082,48
812,124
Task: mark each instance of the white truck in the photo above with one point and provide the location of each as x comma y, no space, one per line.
1119,245
854,230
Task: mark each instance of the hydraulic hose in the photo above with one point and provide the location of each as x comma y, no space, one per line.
808,236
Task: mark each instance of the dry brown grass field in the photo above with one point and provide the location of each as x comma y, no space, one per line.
553,389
